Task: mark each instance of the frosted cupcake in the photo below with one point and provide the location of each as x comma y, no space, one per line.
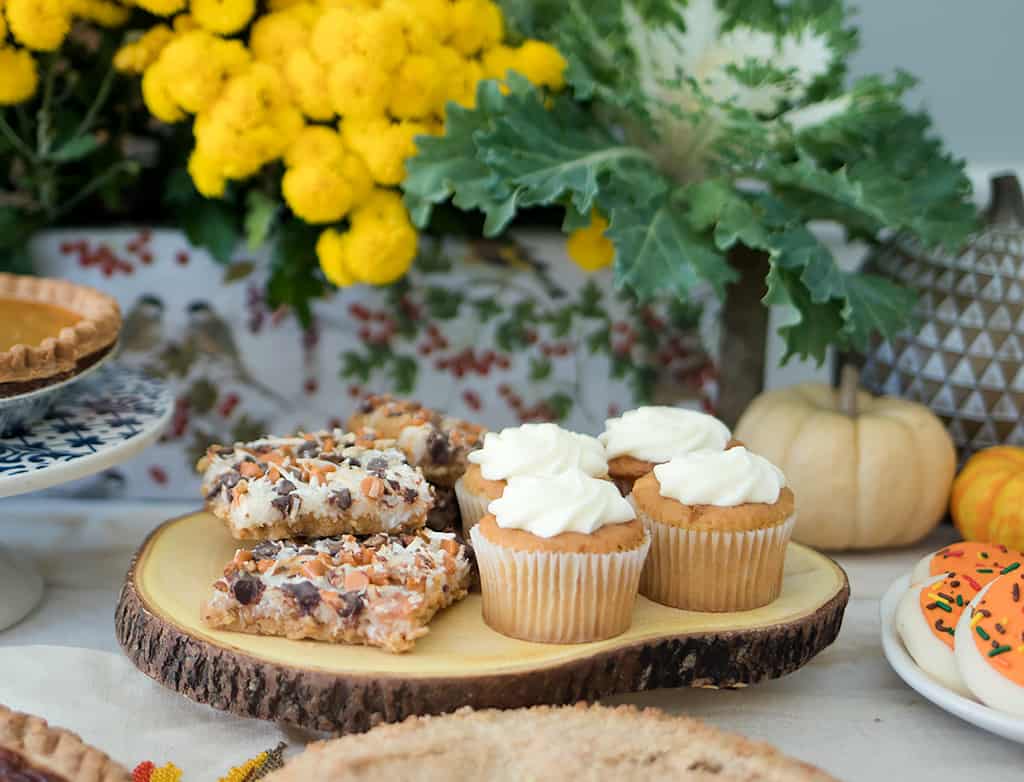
560,559
640,439
530,449
719,523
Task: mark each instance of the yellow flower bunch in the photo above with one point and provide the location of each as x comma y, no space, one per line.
337,90
28,26
589,248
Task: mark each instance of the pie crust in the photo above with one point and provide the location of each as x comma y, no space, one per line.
25,368
31,749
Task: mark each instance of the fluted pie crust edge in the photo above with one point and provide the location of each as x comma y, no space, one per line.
25,368
53,753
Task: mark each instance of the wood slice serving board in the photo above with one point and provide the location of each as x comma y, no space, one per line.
462,662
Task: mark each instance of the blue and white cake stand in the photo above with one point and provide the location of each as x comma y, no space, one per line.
104,420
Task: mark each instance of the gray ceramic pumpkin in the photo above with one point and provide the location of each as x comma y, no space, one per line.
965,357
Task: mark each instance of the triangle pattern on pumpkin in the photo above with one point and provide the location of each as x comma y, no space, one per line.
934,367
974,405
982,346
968,285
962,373
942,402
910,360
973,316
954,341
1000,319
928,336
993,377
993,290
985,436
1004,408
1010,349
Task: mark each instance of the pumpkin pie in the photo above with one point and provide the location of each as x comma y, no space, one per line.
34,751
51,330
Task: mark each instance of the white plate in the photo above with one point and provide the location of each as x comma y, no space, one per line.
997,722
102,421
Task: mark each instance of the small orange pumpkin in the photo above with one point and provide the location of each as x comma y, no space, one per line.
988,497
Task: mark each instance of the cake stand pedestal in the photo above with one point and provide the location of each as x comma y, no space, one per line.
461,662
103,421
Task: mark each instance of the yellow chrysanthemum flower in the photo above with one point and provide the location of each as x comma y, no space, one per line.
38,24
436,13
541,63
162,7
307,79
315,144
352,5
202,64
184,23
358,87
206,176
138,55
103,12
156,96
589,247
252,123
222,16
420,87
498,61
18,76
381,243
419,30
462,76
275,36
317,193
476,25
377,35
330,252
3,22
383,145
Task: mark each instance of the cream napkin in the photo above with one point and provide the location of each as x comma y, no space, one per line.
111,705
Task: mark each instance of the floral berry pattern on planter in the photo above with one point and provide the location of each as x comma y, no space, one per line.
499,332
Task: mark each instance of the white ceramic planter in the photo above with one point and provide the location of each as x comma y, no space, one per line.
240,370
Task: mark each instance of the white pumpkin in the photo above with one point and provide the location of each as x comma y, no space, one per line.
867,472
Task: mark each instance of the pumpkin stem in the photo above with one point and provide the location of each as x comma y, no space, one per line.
849,382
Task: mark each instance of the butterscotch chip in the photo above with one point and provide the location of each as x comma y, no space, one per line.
546,744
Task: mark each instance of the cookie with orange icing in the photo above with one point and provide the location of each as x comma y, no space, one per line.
926,620
980,561
989,642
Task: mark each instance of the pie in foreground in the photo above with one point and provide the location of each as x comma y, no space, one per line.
50,330
33,751
544,743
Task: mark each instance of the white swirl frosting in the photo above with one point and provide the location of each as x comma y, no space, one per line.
538,449
657,433
569,502
722,478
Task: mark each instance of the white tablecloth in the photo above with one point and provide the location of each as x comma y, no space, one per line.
846,711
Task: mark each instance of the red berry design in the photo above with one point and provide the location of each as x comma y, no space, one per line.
159,475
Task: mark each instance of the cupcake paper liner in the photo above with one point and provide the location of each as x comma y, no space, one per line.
472,507
558,597
714,570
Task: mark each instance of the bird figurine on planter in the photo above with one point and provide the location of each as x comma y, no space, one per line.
870,471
